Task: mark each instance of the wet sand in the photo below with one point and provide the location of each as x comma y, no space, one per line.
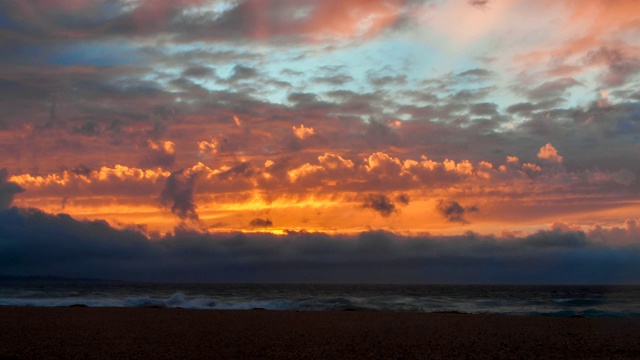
127,333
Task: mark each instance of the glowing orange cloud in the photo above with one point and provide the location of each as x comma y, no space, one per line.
332,190
165,146
303,132
237,121
548,152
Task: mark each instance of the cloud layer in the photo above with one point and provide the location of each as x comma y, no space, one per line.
94,249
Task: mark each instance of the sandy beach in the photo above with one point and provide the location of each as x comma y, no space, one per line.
147,333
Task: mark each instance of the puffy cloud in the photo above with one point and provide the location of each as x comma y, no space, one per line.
8,189
117,180
303,132
549,153
453,211
213,146
335,162
304,171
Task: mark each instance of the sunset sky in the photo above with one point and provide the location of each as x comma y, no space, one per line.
275,134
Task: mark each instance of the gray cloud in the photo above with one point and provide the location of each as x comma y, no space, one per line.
380,203
241,72
178,192
8,189
403,199
387,80
476,74
158,156
552,89
478,3
199,72
337,79
453,211
260,223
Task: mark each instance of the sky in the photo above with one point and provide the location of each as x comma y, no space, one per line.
438,141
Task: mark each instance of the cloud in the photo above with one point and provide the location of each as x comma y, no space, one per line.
478,3
159,154
453,211
199,72
387,80
303,132
94,249
476,74
241,72
552,89
380,203
119,180
260,223
403,199
178,192
8,189
213,146
336,80
549,153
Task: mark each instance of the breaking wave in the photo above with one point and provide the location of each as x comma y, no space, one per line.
515,300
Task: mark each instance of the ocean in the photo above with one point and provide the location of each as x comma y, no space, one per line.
536,300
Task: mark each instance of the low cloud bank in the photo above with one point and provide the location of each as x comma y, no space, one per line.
37,243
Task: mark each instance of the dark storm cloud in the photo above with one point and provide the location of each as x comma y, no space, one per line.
453,211
8,189
94,249
178,192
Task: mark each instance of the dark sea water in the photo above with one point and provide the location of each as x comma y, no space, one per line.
560,301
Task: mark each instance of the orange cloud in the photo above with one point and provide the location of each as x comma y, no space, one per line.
208,147
549,153
316,20
303,132
67,177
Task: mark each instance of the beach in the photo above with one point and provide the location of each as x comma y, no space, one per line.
150,333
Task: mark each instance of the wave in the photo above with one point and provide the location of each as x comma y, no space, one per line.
512,301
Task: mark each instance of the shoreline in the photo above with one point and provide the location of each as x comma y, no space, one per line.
163,333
